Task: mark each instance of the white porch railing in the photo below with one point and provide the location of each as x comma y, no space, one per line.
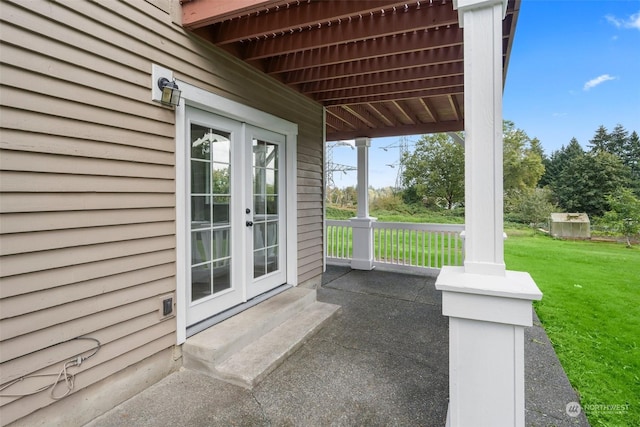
412,246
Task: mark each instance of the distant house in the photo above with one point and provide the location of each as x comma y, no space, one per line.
131,223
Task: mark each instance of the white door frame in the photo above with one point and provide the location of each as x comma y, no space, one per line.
207,101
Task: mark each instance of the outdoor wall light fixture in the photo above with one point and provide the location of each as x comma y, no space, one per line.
170,91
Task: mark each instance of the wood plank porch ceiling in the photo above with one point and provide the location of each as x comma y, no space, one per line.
380,67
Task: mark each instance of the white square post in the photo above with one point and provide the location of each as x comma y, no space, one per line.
362,224
488,307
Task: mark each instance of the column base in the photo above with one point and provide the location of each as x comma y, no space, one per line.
362,241
487,316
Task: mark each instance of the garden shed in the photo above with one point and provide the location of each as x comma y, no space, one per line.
570,225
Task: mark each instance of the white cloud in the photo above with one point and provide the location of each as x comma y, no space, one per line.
632,22
598,80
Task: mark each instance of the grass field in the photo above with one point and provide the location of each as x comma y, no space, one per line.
591,312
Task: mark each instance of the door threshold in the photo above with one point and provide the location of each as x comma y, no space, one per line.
207,323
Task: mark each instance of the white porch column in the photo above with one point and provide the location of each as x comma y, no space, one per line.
488,307
362,224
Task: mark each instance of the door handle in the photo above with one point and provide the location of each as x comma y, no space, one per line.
249,223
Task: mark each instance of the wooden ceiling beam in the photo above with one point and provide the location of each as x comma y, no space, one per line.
428,107
425,93
366,28
424,128
294,16
387,77
383,112
392,88
363,114
450,54
453,102
337,123
382,47
405,111
196,14
347,117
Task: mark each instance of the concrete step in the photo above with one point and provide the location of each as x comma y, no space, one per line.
246,347
253,363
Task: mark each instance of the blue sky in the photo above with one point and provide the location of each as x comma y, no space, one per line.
575,65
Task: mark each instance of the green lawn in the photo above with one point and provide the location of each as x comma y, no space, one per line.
591,312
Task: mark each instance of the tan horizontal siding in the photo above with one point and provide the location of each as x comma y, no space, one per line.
47,280
87,172
47,240
40,361
305,220
34,321
29,302
41,221
38,261
43,338
50,163
26,405
18,140
313,250
60,126
48,202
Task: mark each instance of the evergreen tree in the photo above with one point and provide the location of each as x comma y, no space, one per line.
557,162
587,180
618,141
600,141
632,160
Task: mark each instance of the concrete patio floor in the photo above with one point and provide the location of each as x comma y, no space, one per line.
383,361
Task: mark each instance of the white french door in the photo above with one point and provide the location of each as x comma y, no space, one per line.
266,216
237,212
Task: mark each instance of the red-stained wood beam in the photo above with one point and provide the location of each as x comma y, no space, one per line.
390,89
375,65
381,47
363,114
383,112
365,28
425,93
405,111
387,77
346,118
428,106
199,13
423,128
294,16
453,102
333,121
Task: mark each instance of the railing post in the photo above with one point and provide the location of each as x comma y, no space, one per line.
362,224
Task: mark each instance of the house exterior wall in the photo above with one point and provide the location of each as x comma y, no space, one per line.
87,181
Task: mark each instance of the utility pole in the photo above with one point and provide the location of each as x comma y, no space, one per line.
333,167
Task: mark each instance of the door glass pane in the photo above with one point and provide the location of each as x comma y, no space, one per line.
220,178
200,281
259,263
259,235
210,219
221,210
221,276
200,246
265,203
200,212
272,205
200,172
